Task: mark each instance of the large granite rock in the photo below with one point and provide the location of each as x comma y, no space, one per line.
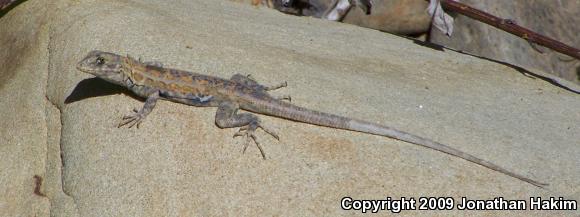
555,19
60,126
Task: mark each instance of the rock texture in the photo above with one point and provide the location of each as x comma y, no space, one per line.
23,129
556,19
395,16
405,17
59,124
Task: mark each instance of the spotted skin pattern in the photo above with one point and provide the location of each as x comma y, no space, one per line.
154,82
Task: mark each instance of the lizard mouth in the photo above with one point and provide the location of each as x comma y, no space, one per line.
83,68
86,66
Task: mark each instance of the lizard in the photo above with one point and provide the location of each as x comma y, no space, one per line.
152,81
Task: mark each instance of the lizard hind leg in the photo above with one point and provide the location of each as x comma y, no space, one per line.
227,117
247,80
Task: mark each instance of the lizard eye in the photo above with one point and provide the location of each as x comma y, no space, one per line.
100,61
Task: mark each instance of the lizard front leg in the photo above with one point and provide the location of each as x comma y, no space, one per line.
227,117
137,117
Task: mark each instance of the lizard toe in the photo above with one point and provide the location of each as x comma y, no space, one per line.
131,120
270,131
248,132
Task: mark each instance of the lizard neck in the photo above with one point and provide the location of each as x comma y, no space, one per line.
132,71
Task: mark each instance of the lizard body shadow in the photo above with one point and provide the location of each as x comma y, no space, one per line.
95,87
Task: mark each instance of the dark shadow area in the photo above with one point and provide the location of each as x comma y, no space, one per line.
95,87
300,7
523,71
9,6
426,44
578,73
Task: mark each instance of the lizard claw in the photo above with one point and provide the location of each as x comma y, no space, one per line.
133,119
241,131
284,97
271,132
249,131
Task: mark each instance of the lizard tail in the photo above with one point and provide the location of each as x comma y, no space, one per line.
296,113
363,126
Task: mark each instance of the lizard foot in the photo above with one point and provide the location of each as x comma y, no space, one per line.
249,131
278,86
285,97
133,119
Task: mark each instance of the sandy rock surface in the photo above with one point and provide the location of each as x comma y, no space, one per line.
59,124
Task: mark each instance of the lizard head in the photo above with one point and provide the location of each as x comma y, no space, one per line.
107,66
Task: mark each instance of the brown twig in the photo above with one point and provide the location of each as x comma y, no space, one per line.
6,3
511,27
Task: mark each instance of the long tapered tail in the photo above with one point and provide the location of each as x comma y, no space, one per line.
363,126
296,113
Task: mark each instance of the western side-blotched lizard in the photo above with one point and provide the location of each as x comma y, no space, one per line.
154,82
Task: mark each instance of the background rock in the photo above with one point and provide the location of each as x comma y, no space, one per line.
556,19
394,16
403,17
